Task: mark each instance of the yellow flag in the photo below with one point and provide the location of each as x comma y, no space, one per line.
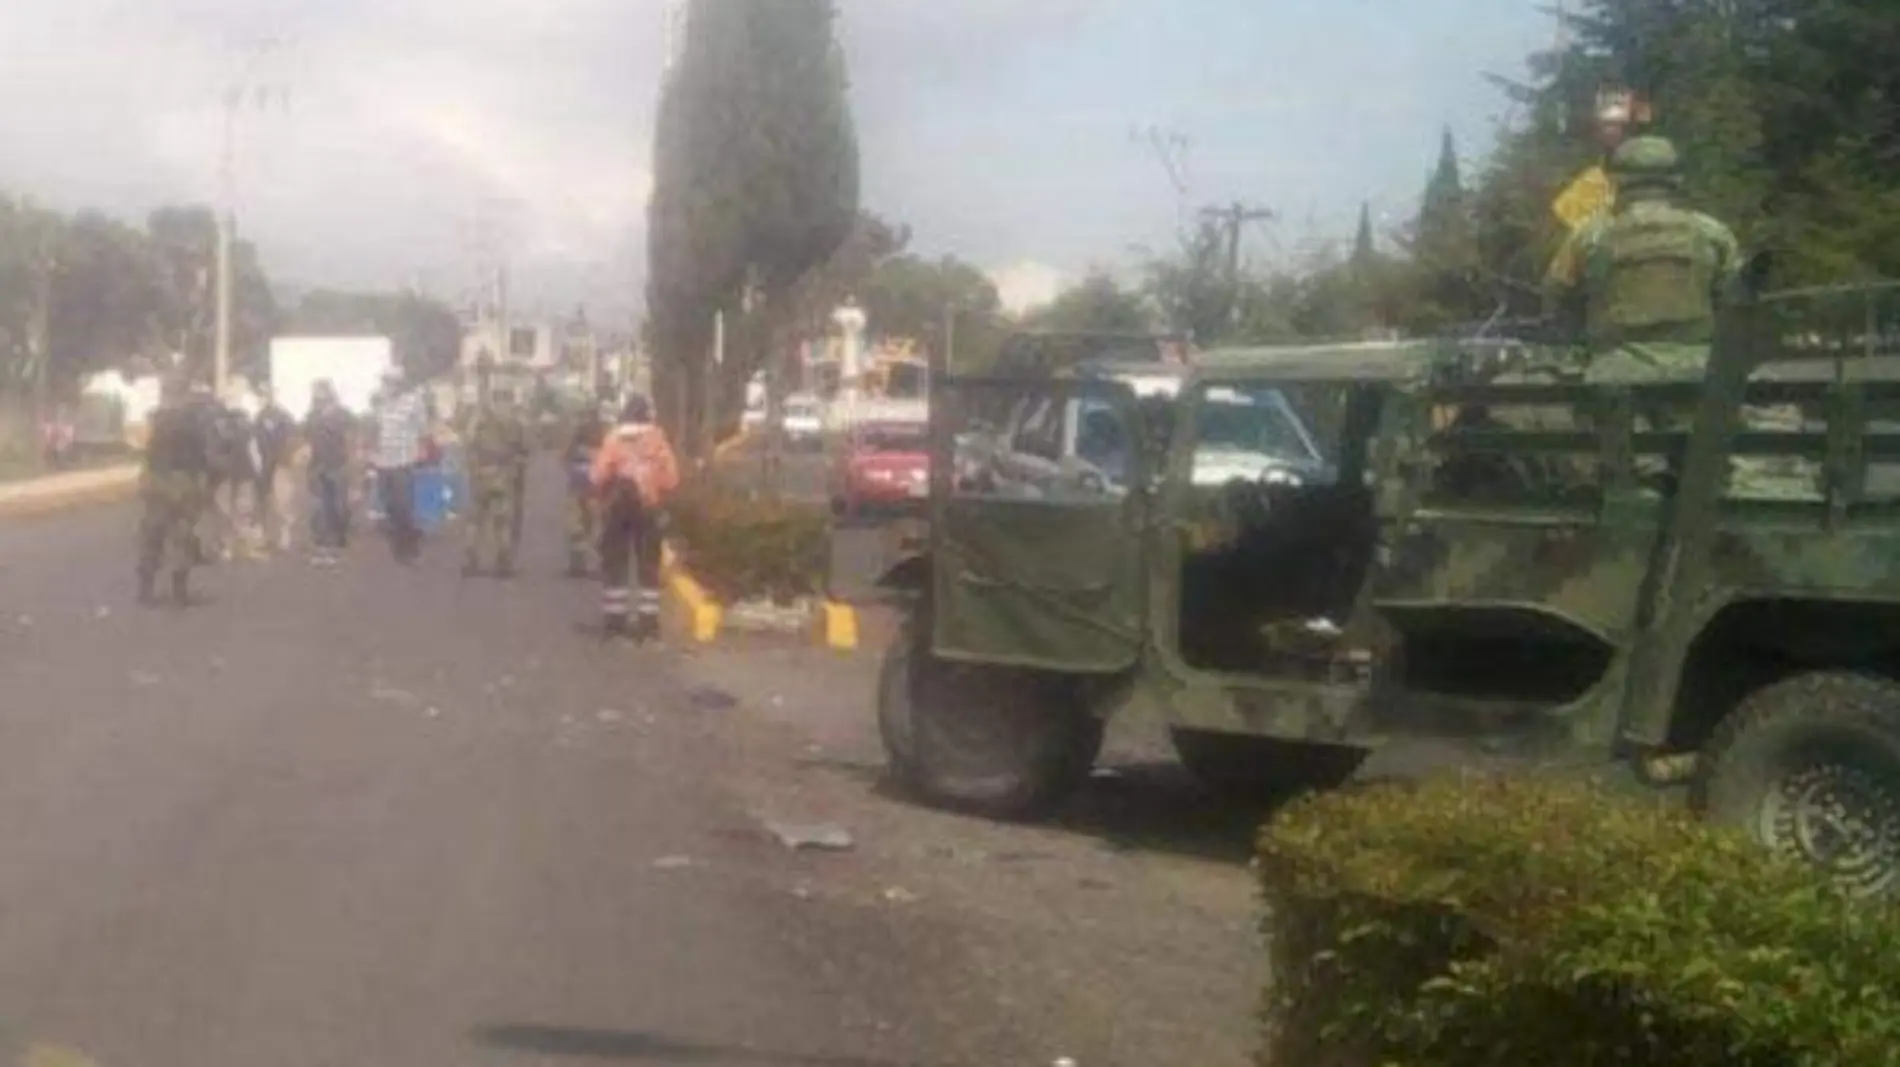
1588,193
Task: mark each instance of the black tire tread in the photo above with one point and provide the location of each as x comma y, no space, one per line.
1730,773
1046,780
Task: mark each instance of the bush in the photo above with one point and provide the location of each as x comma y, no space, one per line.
741,546
1482,921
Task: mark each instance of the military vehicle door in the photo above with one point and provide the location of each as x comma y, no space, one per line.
1037,506
1260,565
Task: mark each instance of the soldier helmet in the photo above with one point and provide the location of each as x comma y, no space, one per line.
1646,160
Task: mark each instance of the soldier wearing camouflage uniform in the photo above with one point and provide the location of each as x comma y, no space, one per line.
497,450
173,490
1647,277
583,506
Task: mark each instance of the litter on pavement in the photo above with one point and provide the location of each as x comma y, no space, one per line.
828,837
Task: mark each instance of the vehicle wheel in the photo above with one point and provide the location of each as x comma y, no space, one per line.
1262,768
1810,766
999,742
894,686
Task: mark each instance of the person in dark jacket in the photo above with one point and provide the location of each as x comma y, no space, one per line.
172,494
273,430
330,430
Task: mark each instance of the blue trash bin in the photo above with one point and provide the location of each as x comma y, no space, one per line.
454,483
430,498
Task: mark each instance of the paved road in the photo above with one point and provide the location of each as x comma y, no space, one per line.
380,815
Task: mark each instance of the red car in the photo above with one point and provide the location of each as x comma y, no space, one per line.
883,466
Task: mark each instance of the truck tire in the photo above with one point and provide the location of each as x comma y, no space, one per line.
894,730
1810,766
999,742
1263,768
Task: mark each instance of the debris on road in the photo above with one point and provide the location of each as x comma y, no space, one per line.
24,621
900,895
763,616
391,695
433,712
672,863
827,837
102,612
145,678
707,698
608,716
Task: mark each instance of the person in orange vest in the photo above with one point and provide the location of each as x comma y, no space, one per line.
634,473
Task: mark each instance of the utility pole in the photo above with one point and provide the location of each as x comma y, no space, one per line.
1233,219
242,88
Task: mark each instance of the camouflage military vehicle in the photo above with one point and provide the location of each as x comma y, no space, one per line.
1481,558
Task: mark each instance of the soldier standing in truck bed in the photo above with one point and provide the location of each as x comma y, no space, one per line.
1647,278
173,488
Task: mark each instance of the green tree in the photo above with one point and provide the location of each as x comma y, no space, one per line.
1191,288
696,247
425,332
1444,249
186,246
109,298
909,296
1098,304
756,184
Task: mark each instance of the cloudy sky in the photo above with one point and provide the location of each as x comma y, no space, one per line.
416,132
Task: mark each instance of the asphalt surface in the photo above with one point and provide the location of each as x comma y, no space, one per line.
384,815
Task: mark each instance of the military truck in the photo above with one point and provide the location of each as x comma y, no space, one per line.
1529,565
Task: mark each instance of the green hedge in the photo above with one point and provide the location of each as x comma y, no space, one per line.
1478,921
742,546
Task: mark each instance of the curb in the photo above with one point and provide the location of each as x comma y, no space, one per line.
703,614
840,626
122,484
835,625
719,450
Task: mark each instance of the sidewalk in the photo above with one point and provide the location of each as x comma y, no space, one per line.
56,492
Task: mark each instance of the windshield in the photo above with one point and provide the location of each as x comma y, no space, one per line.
892,438
1255,420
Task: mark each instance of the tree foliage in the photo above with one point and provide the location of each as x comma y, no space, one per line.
1786,112
1098,304
425,332
755,188
85,292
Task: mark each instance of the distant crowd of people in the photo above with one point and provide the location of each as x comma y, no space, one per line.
214,484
